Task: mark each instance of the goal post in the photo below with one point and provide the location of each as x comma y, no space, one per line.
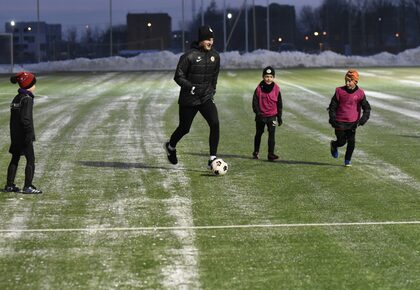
6,49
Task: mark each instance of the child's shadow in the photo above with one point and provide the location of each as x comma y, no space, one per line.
280,161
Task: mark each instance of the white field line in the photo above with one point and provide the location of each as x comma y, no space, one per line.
221,227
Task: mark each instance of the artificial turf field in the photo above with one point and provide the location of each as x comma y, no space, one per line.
116,215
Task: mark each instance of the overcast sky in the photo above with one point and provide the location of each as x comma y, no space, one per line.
79,13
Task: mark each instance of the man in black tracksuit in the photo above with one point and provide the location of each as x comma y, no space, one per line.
196,73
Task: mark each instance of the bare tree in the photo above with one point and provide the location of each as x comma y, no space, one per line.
361,8
415,4
71,37
309,19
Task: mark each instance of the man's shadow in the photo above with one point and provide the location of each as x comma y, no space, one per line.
138,165
409,136
126,165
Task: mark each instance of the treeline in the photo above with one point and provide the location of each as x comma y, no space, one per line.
358,27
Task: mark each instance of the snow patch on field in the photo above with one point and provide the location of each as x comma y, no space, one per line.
382,96
18,221
182,271
302,88
395,109
410,82
361,72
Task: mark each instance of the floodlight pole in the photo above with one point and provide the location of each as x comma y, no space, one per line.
11,50
183,24
110,28
11,53
268,24
254,22
246,26
202,13
38,45
224,26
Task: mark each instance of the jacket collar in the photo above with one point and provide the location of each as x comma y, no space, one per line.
25,92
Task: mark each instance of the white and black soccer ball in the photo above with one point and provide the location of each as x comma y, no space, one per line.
219,167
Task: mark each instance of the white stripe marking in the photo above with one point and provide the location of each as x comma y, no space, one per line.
186,228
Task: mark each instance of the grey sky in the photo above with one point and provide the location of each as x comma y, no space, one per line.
79,13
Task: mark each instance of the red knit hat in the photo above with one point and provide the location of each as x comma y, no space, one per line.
25,79
353,75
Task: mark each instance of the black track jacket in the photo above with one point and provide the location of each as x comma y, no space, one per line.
22,131
200,69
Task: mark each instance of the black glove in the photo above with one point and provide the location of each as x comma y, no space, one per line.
361,122
279,121
333,123
200,89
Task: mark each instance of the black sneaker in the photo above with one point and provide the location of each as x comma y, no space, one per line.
11,188
209,163
170,153
31,190
255,155
272,157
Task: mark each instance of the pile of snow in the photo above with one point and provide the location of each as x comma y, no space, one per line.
166,60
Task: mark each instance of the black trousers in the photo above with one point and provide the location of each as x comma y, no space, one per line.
186,116
29,153
343,137
259,131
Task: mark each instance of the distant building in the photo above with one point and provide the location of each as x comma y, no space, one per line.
148,31
25,40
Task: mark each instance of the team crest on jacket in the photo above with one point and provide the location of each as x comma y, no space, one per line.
212,58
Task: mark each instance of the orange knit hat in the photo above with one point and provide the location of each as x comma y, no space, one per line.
353,75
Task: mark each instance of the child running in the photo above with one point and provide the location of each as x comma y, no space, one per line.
22,133
268,107
344,112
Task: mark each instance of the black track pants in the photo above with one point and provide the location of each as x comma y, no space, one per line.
259,130
29,169
343,137
186,116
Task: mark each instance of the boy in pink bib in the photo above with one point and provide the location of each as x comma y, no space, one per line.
345,114
268,106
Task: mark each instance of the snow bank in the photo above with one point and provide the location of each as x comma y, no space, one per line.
166,60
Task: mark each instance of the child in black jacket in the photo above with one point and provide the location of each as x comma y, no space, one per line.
22,133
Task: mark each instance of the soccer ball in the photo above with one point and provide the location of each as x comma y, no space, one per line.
219,167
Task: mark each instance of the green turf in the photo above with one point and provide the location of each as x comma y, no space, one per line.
116,215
